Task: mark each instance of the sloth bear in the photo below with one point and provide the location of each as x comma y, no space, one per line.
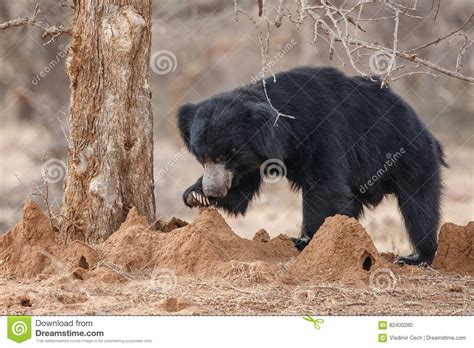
344,141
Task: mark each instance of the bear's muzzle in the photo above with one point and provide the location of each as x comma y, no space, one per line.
217,179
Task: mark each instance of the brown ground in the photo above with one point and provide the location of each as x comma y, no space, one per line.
205,268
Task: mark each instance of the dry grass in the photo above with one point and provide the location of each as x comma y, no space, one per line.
426,292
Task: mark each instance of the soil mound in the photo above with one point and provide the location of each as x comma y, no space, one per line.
205,268
261,236
456,249
79,254
168,226
133,245
340,250
207,245
204,247
25,249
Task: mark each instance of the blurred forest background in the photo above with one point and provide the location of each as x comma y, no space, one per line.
211,53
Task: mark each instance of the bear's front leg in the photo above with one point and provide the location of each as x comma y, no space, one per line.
324,199
194,195
317,205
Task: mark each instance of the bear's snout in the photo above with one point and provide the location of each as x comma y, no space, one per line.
216,180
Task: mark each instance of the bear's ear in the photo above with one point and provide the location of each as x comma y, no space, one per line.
272,140
185,116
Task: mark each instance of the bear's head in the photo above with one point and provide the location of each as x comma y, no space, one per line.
231,135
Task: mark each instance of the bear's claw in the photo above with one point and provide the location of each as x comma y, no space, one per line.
413,260
300,243
197,199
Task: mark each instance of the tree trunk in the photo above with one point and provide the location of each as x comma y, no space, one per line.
110,153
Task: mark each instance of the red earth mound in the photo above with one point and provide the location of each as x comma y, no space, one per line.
207,247
25,250
341,250
204,247
456,249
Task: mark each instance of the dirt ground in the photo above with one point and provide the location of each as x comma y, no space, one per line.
205,268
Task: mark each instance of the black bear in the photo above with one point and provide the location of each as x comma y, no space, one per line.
344,141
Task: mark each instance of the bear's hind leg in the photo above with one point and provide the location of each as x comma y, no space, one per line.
420,207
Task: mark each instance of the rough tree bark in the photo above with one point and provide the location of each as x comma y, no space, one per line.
110,153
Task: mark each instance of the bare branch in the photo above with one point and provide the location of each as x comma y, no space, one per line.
437,10
438,40
414,58
260,7
467,43
394,49
49,31
280,10
335,20
264,45
44,193
414,73
341,24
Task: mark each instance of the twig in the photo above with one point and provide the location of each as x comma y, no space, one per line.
337,31
394,49
45,195
414,73
264,45
467,43
280,10
49,31
434,42
260,7
437,10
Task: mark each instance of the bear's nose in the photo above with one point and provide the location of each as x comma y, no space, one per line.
216,180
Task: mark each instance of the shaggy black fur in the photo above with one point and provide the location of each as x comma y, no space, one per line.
350,144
